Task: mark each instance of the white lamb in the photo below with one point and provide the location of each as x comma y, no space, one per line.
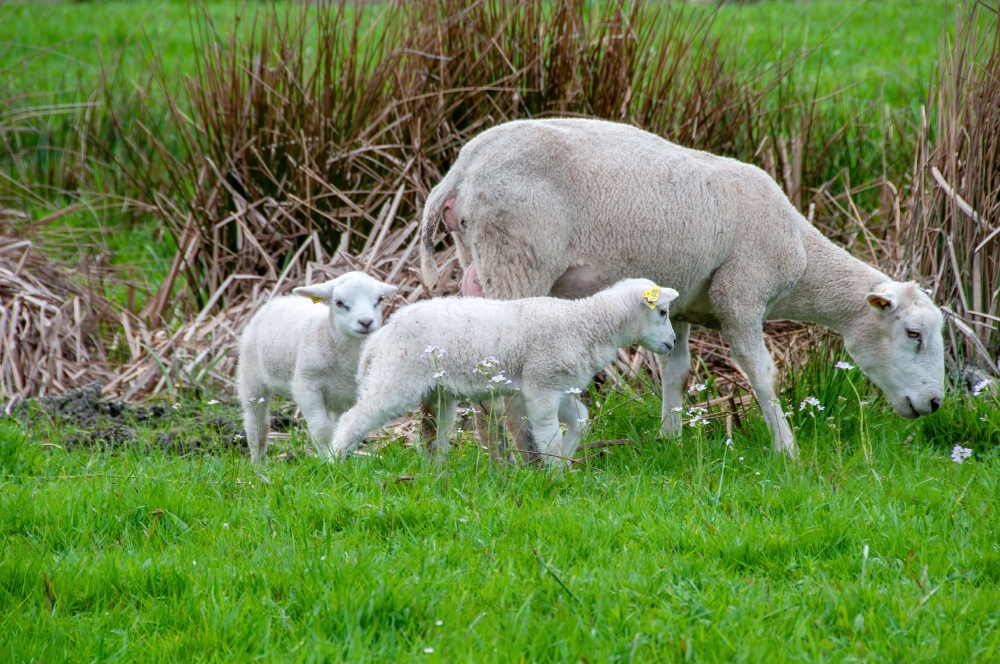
565,207
546,349
308,351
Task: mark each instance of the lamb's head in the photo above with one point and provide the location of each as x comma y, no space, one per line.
652,309
355,301
898,344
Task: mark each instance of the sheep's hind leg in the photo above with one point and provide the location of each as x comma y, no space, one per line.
674,369
573,414
543,418
256,423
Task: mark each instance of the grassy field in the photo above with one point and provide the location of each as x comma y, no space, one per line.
146,535
875,546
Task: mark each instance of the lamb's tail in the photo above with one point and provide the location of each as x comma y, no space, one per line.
441,197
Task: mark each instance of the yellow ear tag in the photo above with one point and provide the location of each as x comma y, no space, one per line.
652,295
316,300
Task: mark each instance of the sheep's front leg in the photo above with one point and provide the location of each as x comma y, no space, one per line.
310,401
573,414
440,407
543,418
256,422
674,369
750,352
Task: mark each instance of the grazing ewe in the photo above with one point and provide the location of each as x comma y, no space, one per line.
546,349
309,353
565,207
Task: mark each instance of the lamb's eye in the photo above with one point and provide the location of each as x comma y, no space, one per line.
340,303
663,313
913,334
379,300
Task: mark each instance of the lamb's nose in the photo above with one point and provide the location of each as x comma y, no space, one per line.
935,404
365,322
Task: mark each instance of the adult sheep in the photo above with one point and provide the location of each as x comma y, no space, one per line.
566,207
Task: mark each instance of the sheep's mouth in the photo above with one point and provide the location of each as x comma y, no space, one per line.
913,413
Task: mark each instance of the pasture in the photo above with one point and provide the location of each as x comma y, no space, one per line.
139,530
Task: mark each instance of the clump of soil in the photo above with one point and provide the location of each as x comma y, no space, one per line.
115,425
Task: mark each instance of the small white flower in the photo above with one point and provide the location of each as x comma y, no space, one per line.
697,387
844,365
261,400
226,526
194,562
438,622
249,402
741,461
238,437
440,374
499,378
863,404
757,473
960,454
729,444
810,401
574,390
676,410
980,386
428,650
213,402
322,558
176,406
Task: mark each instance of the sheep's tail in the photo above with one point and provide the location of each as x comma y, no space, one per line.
433,209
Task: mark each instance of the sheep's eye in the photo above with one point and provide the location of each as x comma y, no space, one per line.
913,334
340,303
379,300
663,313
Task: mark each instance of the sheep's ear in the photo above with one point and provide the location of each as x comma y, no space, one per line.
655,295
388,291
884,301
318,293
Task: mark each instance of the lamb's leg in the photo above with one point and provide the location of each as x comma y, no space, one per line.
674,369
750,352
543,418
256,421
442,408
573,414
310,401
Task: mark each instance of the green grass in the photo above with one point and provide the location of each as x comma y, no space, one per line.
656,552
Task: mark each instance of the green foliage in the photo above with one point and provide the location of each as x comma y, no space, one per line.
651,551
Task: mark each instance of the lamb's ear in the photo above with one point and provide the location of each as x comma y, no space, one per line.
655,295
318,293
388,290
884,301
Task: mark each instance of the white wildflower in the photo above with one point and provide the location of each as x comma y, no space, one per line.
960,454
697,387
261,400
438,622
676,410
729,444
176,406
213,402
225,526
844,365
810,401
428,650
440,374
980,386
574,390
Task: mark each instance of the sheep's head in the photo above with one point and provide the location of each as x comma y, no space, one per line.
898,344
653,304
355,301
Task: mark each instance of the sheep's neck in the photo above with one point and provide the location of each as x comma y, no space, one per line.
832,290
615,326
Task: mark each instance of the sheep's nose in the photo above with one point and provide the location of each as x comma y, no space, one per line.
935,404
365,322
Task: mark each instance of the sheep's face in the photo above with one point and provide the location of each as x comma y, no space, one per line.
355,301
656,334
899,346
